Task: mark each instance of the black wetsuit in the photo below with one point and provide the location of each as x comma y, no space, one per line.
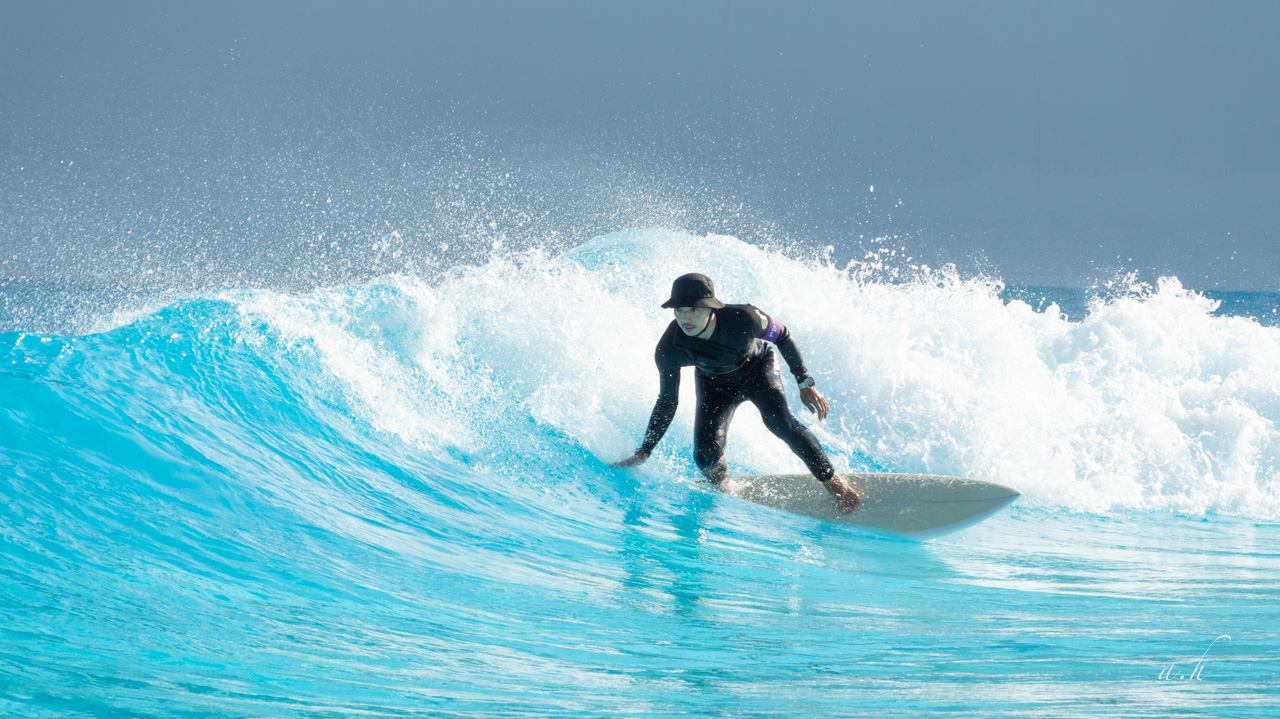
733,365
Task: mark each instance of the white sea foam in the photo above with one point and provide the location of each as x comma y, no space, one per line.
1149,403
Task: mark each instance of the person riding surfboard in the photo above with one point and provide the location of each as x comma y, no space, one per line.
729,347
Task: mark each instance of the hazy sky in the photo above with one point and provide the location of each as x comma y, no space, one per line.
1049,142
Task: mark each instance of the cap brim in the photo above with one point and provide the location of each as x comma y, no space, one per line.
711,302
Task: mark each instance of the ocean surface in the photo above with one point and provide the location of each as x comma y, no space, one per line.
392,499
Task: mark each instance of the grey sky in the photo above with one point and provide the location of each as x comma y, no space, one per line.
1049,142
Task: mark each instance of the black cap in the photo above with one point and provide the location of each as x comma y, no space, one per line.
693,290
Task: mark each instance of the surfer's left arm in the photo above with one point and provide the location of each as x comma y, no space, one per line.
771,330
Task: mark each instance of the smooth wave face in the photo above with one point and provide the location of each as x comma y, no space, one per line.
393,498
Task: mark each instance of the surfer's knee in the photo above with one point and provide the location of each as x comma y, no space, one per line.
783,424
708,444
716,472
707,455
779,425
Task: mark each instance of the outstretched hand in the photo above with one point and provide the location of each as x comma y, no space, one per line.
634,459
816,403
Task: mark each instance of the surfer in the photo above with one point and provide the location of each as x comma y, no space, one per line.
726,345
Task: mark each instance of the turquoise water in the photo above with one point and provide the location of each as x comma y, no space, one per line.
392,499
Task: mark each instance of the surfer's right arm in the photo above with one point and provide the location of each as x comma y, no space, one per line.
664,410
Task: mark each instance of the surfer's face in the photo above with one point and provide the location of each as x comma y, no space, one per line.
693,320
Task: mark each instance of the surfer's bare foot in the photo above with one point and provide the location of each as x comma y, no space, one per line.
846,496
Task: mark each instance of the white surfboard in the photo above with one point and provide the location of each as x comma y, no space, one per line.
920,506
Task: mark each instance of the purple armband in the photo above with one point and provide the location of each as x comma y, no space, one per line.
775,329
